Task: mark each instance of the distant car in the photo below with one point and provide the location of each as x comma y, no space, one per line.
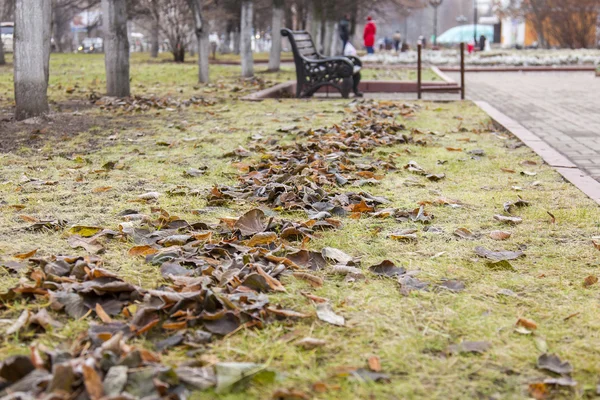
7,30
91,45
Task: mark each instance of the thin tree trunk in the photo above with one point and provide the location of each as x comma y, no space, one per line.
202,40
236,41
154,32
246,39
275,54
329,36
2,58
32,53
116,47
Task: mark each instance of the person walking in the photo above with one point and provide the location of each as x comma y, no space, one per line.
397,38
344,28
369,35
482,40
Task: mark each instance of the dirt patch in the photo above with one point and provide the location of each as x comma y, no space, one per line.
73,119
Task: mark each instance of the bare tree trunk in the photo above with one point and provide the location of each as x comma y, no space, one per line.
2,58
154,38
202,40
246,39
116,47
329,36
275,54
32,55
236,41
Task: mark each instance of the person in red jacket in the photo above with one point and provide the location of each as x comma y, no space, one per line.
369,35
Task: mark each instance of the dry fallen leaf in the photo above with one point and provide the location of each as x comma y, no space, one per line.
312,279
102,314
374,364
24,256
499,235
144,250
527,323
590,280
101,189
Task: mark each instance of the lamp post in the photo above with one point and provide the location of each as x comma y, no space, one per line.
475,21
435,4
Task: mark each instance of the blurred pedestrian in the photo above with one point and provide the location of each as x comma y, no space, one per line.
482,40
397,38
369,35
344,27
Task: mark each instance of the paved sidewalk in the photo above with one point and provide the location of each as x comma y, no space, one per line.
562,108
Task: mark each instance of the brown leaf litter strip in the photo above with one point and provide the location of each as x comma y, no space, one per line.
217,276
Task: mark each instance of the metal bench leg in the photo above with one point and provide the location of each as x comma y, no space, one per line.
356,81
346,87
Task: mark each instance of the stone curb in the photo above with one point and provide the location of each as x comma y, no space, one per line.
557,161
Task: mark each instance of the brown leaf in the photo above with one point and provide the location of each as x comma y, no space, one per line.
527,323
272,282
374,364
101,189
144,250
92,382
104,317
251,222
454,149
590,280
315,298
91,245
361,207
596,244
175,326
499,235
315,281
510,171
24,256
553,220
262,238
28,218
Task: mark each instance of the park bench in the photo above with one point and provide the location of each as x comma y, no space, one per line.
314,70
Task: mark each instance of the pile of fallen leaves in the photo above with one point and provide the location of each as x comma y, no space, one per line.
138,103
306,174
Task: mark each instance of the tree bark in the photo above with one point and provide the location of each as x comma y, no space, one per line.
246,39
275,54
202,40
2,58
116,47
329,37
32,56
154,34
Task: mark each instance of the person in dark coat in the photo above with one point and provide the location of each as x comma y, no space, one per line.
482,40
369,35
344,28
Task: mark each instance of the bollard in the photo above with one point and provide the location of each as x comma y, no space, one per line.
419,71
462,70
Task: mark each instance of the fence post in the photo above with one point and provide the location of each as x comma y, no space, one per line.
419,71
462,70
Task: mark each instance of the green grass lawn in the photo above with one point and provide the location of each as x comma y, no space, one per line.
410,334
74,77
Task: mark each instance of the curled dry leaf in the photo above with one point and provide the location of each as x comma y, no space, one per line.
527,323
325,313
149,196
590,280
144,250
314,280
464,233
551,362
24,256
309,343
387,268
262,238
336,255
347,270
498,255
374,364
499,235
251,222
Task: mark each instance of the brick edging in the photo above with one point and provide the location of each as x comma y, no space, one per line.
557,161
